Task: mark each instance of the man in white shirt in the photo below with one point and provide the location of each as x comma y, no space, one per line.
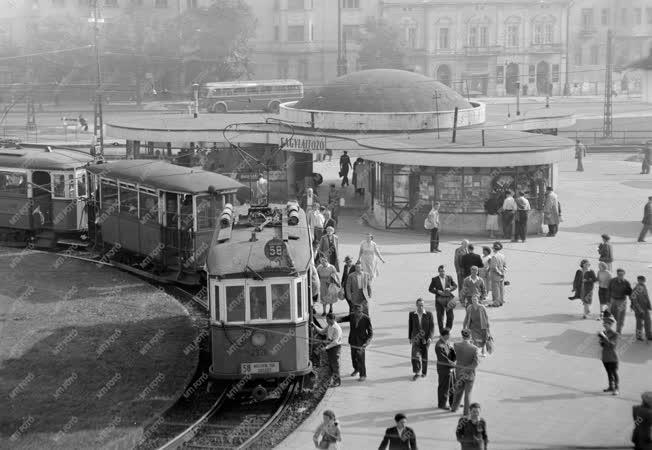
316,222
523,208
333,334
508,212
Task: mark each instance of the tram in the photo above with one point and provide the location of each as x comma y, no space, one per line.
42,196
260,278
157,218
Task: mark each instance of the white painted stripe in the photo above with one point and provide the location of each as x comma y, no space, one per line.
23,253
120,286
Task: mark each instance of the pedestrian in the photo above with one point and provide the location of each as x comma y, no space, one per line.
491,207
329,247
328,433
619,290
443,286
356,169
508,210
522,211
328,219
333,334
460,251
329,285
609,340
604,277
399,437
360,335
469,260
471,431
432,224
551,212
645,164
605,250
647,220
316,223
467,360
334,202
421,329
642,414
580,152
477,322
583,283
640,302
445,369
369,256
358,288
346,271
360,175
472,286
497,273
484,270
345,165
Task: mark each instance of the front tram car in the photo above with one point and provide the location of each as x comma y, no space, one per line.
259,274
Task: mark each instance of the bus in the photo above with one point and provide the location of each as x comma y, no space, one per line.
264,95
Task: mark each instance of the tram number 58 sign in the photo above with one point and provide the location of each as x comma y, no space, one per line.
275,249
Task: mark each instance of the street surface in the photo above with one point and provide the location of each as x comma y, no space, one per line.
542,387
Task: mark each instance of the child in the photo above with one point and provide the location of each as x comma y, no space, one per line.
608,340
604,277
606,251
641,307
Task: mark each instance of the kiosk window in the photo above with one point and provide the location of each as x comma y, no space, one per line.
281,301
235,304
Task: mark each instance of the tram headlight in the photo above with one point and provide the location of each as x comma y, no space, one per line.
258,339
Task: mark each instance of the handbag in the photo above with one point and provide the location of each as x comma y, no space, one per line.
490,344
428,224
452,303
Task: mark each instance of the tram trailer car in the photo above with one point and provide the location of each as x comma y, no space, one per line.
43,196
260,277
157,217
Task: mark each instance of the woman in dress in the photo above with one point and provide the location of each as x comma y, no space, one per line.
604,277
491,207
327,276
329,247
369,256
328,433
583,286
477,322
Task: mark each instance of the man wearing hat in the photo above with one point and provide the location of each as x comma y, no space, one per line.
551,212
609,341
400,437
346,270
642,414
467,361
496,274
647,220
606,251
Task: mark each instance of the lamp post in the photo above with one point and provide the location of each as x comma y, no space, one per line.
566,84
195,88
518,98
341,61
98,130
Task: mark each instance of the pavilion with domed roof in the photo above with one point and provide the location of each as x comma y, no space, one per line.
420,142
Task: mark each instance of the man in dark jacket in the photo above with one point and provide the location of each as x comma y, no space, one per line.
360,335
642,434
647,220
445,365
619,290
443,286
400,437
467,361
421,329
346,270
470,259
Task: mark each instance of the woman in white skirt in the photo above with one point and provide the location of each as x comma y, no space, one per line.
491,206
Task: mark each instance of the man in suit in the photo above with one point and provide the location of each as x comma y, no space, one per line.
421,328
360,335
496,275
647,220
443,286
467,360
470,259
460,251
445,366
346,271
400,437
358,288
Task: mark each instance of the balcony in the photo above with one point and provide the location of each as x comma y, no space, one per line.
545,48
482,51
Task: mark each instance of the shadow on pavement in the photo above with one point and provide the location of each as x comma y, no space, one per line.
613,227
546,318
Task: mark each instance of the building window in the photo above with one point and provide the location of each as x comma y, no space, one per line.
283,68
594,55
277,33
548,33
161,3
512,35
191,4
312,31
484,36
444,41
350,4
587,19
473,37
604,16
111,3
531,77
623,16
648,13
555,73
351,33
296,33
500,74
412,37
638,16
302,70
59,3
538,33
295,4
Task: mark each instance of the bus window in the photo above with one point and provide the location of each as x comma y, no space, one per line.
239,91
265,89
226,92
235,304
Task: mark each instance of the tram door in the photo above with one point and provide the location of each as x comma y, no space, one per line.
42,196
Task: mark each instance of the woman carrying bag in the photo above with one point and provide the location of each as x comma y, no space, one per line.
328,433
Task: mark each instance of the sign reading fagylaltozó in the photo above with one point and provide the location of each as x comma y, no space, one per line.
304,143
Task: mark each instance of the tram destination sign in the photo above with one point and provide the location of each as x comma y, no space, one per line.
303,143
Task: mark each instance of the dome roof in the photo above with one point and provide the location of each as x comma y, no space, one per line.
383,90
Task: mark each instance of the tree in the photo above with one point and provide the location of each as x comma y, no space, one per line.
381,48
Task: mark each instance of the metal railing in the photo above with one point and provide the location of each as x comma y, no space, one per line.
594,137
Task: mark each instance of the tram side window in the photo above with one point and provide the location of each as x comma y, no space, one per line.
281,301
235,304
206,211
109,195
258,303
128,200
81,184
13,182
148,208
59,185
299,300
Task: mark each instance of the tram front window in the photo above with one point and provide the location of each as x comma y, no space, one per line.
281,301
258,303
235,304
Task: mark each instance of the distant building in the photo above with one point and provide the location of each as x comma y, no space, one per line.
644,70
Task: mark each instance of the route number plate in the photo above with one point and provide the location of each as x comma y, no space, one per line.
262,367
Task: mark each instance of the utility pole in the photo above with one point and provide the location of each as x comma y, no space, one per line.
98,129
341,61
608,81
436,97
518,98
